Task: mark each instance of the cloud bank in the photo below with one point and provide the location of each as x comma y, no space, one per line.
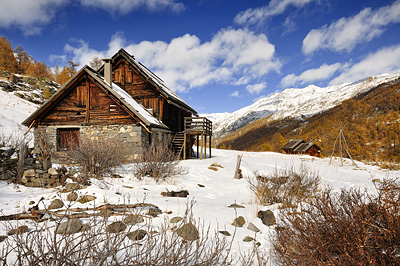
232,56
346,33
312,75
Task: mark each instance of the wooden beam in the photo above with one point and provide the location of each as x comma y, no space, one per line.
87,101
184,146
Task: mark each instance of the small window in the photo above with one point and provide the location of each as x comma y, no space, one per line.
113,108
67,138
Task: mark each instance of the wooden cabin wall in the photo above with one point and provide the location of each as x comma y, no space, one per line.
86,103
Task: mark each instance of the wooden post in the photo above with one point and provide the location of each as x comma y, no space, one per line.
198,143
210,146
238,172
184,146
201,147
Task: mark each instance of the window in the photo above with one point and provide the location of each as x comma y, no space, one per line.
67,138
113,108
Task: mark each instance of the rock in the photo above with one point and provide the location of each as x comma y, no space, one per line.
188,232
47,164
31,202
253,228
52,171
73,196
24,180
87,198
39,171
85,227
154,212
71,187
181,194
9,152
56,204
137,235
19,230
69,227
133,219
200,185
225,233
236,206
29,173
175,220
248,239
2,238
267,217
115,227
116,176
30,161
63,170
239,222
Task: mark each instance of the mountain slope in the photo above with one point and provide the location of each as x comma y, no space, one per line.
295,103
371,122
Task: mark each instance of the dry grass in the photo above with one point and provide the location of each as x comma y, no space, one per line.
347,228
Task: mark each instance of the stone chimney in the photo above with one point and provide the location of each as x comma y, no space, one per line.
107,70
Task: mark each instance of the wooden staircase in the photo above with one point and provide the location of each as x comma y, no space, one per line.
177,144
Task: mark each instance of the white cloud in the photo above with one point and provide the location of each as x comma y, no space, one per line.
346,33
256,88
231,57
28,15
275,7
311,75
385,60
126,6
235,94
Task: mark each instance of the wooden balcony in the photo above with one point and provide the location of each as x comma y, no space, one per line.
201,127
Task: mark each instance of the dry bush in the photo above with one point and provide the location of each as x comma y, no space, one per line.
96,247
98,157
347,228
45,148
288,186
158,162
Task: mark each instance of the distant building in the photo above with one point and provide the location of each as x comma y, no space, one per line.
299,146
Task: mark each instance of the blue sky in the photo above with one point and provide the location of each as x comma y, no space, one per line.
219,55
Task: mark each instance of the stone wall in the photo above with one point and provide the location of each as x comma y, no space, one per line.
135,138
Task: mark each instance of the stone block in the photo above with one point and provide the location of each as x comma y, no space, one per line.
30,172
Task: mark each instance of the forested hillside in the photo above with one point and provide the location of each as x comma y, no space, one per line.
370,121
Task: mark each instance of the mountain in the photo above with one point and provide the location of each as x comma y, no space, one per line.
370,123
295,103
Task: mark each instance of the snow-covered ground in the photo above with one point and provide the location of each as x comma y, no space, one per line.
217,190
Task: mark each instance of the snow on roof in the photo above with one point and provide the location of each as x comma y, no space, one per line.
139,109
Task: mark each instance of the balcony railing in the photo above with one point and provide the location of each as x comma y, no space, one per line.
198,125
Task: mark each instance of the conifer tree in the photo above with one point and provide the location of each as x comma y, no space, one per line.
7,59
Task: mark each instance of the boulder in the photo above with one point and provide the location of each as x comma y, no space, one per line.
69,227
19,230
181,194
225,233
154,212
137,235
9,152
73,196
248,239
71,187
29,173
267,217
56,204
2,238
253,228
133,219
86,198
175,220
188,232
239,222
115,227
46,164
236,206
52,171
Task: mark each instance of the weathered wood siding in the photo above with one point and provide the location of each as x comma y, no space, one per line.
86,103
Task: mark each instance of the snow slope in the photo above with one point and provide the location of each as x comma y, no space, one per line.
13,111
295,103
218,191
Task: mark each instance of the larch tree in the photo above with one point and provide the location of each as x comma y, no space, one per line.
96,63
7,58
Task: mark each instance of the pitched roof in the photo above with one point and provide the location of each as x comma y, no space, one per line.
292,144
171,96
133,106
304,147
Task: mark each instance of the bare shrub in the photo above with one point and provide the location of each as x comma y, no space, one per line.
96,246
158,162
45,148
288,186
347,228
98,157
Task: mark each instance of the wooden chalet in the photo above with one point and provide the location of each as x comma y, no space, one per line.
299,146
123,100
